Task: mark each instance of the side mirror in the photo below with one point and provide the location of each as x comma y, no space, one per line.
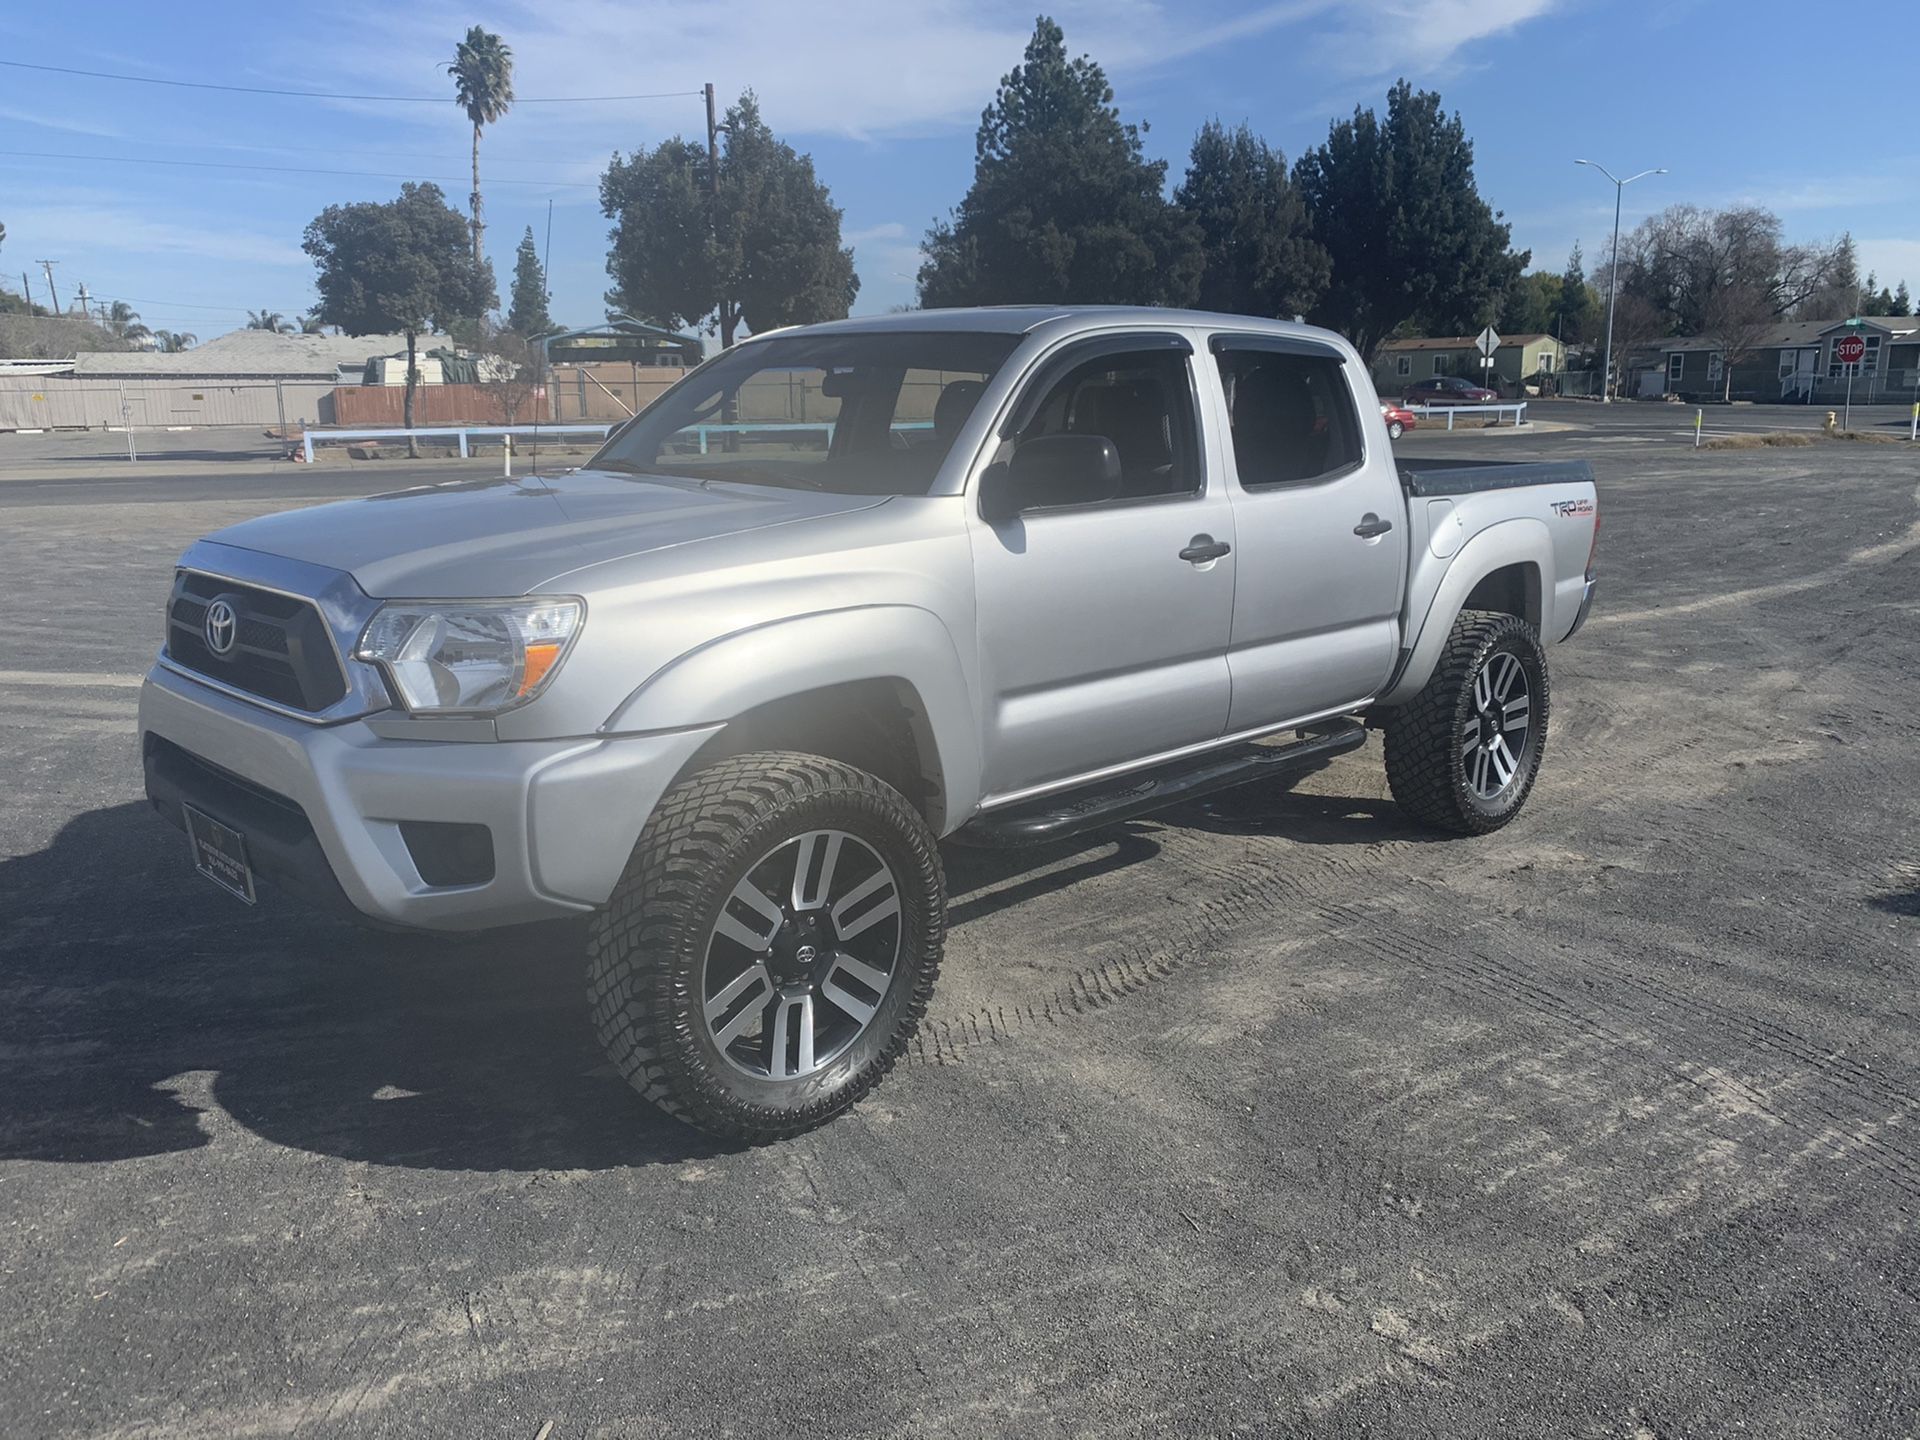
1048,471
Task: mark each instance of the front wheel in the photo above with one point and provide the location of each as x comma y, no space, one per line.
772,945
1463,753
1395,429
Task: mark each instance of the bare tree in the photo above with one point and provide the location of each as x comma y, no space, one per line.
511,369
1738,318
1681,259
1636,325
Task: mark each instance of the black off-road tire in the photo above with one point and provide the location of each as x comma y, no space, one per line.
1429,778
647,948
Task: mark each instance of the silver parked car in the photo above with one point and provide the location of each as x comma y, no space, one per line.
997,575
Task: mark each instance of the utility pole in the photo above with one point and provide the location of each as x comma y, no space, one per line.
86,303
47,265
27,290
713,191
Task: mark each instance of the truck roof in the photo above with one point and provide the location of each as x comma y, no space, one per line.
1024,319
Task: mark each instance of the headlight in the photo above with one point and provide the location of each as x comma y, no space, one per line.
470,657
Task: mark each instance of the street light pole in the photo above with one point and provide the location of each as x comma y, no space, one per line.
1613,284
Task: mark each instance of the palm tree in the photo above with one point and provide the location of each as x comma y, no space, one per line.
124,321
482,72
172,342
310,325
269,320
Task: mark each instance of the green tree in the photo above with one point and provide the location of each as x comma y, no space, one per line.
269,320
1577,316
124,322
1396,205
1530,304
1064,205
1256,241
1875,302
761,246
528,314
403,265
482,72
172,342
1902,301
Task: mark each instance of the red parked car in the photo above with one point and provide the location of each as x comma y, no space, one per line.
1449,390
1399,420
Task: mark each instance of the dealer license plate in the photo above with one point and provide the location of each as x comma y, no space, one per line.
220,853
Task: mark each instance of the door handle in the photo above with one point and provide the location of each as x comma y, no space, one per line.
1371,525
1203,548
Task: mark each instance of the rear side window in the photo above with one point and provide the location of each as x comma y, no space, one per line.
1292,416
1143,403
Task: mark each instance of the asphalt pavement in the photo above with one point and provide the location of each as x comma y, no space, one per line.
1271,1116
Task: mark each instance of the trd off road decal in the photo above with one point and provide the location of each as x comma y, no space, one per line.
1563,508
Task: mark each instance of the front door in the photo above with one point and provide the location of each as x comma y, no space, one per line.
1320,535
1101,642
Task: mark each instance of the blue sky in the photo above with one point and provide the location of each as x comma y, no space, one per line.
1743,100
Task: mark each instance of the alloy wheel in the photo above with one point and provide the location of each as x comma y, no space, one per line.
802,955
1494,744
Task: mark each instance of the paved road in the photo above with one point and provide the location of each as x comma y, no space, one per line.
1273,1117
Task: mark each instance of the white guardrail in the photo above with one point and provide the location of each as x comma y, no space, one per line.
1519,409
446,432
696,433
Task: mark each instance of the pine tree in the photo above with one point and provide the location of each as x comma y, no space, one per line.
1064,207
528,313
1395,203
1261,257
1902,301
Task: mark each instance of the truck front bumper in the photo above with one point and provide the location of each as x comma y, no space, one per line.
350,818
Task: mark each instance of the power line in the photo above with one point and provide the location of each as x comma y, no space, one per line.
282,169
332,95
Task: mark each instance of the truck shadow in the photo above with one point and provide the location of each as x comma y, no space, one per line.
143,1012
132,993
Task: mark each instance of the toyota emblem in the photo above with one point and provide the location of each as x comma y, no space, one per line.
222,627
806,954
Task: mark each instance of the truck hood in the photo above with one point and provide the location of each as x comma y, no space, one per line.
512,536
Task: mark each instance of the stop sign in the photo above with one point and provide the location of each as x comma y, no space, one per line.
1850,349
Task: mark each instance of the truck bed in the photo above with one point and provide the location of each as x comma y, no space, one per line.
1470,477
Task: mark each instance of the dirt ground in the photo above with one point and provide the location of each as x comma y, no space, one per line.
1271,1116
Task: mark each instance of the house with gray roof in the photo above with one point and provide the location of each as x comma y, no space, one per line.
1795,362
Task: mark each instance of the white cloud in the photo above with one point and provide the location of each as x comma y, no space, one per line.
1890,260
1417,37
86,228
866,69
45,120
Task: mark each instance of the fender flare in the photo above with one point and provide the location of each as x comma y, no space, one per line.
737,672
1509,542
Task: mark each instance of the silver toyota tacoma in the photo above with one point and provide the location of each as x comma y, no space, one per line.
999,576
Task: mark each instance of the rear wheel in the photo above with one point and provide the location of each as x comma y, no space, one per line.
1463,753
1395,429
772,945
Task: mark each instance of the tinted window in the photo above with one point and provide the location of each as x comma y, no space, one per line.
1292,415
866,414
1143,403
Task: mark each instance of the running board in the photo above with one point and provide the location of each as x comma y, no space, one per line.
1108,803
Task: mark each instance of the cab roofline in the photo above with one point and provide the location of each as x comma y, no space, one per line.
1025,319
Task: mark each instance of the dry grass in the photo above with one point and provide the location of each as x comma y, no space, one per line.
1758,442
1792,438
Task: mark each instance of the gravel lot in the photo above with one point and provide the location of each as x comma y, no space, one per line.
1272,1117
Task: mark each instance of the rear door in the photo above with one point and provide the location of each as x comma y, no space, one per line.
1101,643
1320,531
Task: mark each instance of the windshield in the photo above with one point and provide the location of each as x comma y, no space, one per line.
867,414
